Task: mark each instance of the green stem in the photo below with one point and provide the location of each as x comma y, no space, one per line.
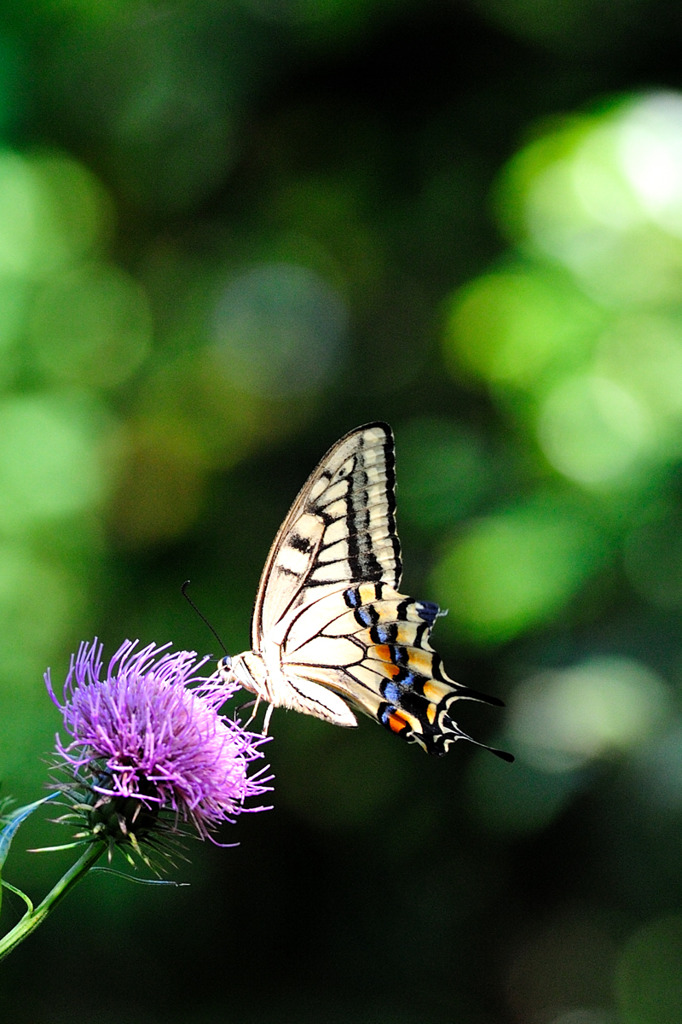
32,918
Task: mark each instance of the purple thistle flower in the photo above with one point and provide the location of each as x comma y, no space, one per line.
148,755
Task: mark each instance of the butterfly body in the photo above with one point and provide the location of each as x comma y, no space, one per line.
272,685
331,631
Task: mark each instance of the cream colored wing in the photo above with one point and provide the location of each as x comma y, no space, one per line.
340,530
330,631
370,645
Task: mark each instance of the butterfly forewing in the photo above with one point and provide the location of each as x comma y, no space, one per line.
340,529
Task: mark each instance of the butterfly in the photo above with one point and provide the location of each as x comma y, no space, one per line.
331,633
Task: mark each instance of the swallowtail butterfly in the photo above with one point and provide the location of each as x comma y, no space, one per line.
330,629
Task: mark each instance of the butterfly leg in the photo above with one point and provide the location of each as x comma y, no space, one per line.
255,704
266,720
245,706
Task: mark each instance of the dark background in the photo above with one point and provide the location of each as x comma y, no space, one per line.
229,233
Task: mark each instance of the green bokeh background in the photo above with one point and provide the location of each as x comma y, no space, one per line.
231,231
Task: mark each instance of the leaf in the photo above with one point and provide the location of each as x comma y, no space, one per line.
11,823
141,881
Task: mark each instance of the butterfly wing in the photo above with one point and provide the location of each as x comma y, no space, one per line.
330,627
370,644
340,529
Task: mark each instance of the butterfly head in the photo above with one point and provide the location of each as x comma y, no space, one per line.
248,671
234,670
224,668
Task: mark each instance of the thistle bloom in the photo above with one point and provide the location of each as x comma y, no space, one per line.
149,758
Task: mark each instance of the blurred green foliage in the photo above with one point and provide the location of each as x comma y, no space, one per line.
231,231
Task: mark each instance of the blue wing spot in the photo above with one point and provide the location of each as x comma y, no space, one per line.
384,633
409,680
391,691
428,611
352,597
364,616
399,655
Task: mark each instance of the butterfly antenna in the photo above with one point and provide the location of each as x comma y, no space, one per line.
201,615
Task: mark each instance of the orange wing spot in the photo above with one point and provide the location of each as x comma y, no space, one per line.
405,635
431,710
367,592
383,652
421,661
435,691
396,722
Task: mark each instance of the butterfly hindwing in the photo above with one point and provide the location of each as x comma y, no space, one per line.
370,644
